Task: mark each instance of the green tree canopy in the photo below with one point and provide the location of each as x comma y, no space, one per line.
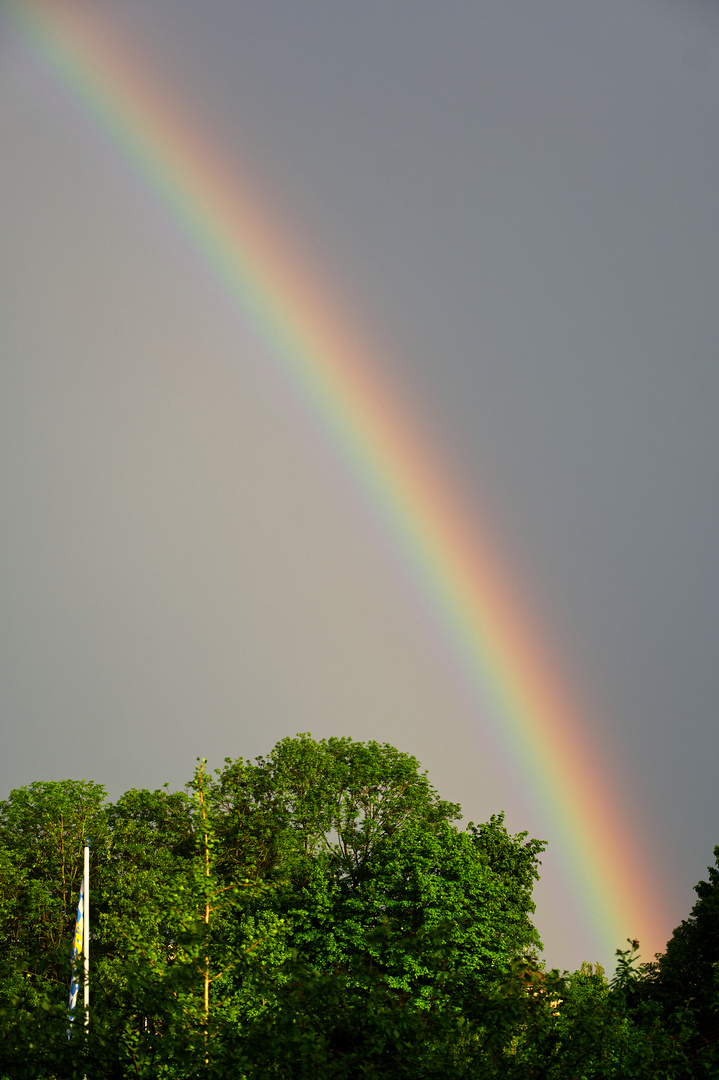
316,913
43,828
689,969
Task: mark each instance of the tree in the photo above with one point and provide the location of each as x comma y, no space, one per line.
688,972
339,797
176,980
43,828
355,841
314,912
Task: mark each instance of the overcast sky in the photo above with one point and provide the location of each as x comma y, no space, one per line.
518,198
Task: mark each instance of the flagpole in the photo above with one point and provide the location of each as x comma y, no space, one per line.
86,932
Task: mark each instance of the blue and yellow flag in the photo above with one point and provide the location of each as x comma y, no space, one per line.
77,949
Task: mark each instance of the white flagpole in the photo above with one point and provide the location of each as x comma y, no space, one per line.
86,932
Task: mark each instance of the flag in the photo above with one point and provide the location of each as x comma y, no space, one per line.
77,949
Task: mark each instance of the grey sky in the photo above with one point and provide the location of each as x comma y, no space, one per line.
519,199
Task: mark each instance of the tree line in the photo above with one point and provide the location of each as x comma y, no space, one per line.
318,913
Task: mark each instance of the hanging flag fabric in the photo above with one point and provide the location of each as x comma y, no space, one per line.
77,949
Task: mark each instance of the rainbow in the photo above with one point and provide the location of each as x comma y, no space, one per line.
459,576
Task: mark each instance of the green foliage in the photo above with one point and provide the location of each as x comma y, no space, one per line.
316,913
42,833
688,972
335,797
